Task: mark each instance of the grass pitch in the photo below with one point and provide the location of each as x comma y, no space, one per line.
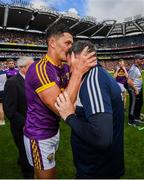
134,148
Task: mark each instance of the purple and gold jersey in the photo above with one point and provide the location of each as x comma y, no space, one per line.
41,122
11,72
121,78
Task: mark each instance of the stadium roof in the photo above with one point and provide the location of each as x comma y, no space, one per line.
34,20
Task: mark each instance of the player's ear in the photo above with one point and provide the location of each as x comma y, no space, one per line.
52,42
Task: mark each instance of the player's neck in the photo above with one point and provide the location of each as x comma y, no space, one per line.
54,58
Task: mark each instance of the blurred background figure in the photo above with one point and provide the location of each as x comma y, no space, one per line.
136,90
15,108
11,71
2,83
121,76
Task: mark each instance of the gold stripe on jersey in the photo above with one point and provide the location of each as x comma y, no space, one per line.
45,86
42,68
45,73
36,156
38,73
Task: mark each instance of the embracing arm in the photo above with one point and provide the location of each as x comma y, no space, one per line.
49,96
96,131
80,67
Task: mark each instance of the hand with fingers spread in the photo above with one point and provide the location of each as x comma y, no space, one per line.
84,61
64,105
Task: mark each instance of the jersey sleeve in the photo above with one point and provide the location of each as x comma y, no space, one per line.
44,78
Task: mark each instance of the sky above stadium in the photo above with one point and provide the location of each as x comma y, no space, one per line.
101,9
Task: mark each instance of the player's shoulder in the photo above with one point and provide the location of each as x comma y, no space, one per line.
31,68
31,73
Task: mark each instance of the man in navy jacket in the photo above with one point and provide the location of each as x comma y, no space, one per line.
97,124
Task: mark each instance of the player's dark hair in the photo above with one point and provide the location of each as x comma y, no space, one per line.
79,45
57,29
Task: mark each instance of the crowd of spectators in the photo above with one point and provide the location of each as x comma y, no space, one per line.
121,42
21,38
17,54
4,64
39,39
108,65
111,65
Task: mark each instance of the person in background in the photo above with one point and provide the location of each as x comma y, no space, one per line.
11,71
45,80
2,83
135,82
15,107
97,123
121,76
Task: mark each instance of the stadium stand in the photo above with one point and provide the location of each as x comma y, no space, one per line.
22,32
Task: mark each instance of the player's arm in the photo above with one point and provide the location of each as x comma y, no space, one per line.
80,67
97,131
48,97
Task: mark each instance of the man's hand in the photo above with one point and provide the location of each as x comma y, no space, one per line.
83,62
64,105
136,91
131,84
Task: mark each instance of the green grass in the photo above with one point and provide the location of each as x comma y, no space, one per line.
8,155
134,149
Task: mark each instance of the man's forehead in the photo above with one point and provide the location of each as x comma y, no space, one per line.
68,35
65,36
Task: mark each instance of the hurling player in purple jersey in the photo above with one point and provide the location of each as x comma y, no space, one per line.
11,71
45,80
121,76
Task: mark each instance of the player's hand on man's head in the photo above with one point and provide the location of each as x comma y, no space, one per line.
84,61
64,105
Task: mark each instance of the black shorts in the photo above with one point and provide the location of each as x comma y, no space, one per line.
1,96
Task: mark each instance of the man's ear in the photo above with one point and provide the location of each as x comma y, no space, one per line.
52,42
